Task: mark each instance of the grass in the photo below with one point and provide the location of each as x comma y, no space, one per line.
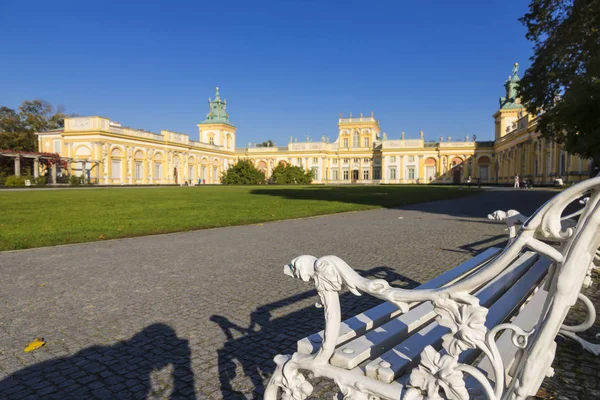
53,217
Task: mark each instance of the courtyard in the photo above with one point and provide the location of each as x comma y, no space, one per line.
201,314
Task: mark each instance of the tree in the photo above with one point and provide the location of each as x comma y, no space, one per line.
290,174
563,83
268,143
243,173
17,129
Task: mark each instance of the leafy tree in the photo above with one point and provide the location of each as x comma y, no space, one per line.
563,83
17,128
291,174
268,143
243,173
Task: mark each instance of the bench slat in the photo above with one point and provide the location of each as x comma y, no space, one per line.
526,319
382,313
394,362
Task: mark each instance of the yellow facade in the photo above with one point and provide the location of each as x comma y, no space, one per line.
110,154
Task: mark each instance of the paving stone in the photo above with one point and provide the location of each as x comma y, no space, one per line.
205,312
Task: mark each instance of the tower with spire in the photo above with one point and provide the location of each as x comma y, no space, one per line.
510,105
216,128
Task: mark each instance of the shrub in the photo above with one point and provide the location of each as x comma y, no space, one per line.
14,181
243,173
75,180
290,175
40,180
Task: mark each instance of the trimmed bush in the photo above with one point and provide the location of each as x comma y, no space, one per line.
14,181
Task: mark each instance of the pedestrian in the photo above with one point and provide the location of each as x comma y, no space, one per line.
517,181
469,181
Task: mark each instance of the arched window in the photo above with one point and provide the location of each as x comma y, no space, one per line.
356,141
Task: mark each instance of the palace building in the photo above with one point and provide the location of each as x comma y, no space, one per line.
110,154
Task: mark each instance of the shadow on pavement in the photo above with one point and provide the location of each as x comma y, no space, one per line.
254,347
130,369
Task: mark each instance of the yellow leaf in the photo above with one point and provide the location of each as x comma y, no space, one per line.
36,344
42,284
101,237
259,224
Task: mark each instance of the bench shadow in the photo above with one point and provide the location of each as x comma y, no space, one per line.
126,370
252,348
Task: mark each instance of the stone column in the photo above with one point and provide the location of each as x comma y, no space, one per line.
83,171
108,160
36,167
17,166
401,170
360,171
54,174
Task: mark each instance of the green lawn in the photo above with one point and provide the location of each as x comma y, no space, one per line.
52,217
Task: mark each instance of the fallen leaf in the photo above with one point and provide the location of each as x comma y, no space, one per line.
42,284
259,224
36,344
100,236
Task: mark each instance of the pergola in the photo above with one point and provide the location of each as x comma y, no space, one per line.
36,157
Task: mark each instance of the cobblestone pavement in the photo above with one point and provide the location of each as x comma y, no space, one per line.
202,314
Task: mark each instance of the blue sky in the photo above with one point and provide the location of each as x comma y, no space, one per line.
286,68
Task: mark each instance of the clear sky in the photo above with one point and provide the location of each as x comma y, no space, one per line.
286,67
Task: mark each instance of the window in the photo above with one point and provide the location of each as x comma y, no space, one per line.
411,158
366,142
346,142
334,175
299,162
315,172
393,159
355,142
346,161
138,170
356,160
57,146
211,140
190,172
116,169
377,173
335,161
157,170
365,174
315,160
345,174
204,173
411,173
366,160
215,174
392,175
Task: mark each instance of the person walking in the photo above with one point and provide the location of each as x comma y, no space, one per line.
517,181
469,181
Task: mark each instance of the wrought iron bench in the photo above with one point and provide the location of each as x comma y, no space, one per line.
485,329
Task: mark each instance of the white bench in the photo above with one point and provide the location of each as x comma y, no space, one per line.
484,329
